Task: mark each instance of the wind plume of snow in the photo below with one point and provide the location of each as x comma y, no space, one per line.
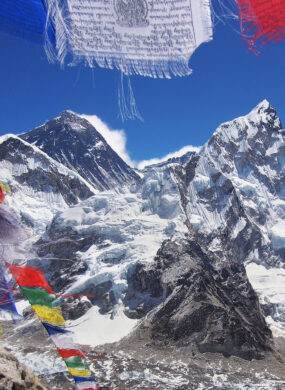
117,139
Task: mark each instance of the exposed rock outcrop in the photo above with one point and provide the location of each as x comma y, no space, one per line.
205,302
14,375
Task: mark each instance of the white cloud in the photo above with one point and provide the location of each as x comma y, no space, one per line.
178,153
115,138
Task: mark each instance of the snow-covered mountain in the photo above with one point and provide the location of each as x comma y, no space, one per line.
238,188
74,142
40,185
170,259
229,198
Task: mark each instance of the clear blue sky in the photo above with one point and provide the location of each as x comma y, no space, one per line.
228,81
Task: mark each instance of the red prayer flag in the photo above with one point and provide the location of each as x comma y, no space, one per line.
262,20
29,277
2,195
67,353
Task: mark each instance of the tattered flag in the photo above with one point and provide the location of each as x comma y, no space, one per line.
262,21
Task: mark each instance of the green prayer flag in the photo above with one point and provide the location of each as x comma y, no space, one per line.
76,362
37,296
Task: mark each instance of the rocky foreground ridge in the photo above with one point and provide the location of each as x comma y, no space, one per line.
14,375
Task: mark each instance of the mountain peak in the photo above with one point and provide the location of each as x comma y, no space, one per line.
266,114
264,104
74,142
259,123
67,113
76,121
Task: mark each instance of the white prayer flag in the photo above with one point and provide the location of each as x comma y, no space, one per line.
152,38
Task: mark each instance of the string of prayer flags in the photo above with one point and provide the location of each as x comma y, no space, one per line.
149,38
262,21
73,358
47,305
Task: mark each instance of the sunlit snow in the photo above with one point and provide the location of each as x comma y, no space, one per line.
94,328
270,286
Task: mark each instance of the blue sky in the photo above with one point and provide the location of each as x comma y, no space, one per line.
228,80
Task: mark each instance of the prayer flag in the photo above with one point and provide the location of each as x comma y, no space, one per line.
10,229
76,362
29,277
51,315
63,341
77,372
149,38
38,296
66,353
2,195
81,379
6,299
25,18
262,21
55,330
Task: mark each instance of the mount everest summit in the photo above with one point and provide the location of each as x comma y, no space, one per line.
74,142
186,256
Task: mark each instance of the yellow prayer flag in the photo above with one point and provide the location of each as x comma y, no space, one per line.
51,315
5,188
76,372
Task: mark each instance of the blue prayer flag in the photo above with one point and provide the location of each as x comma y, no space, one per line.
25,18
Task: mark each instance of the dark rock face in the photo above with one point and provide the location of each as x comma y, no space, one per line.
73,308
40,173
74,142
212,306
